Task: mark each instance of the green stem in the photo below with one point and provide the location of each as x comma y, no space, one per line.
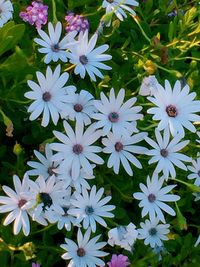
192,187
152,125
55,20
174,72
15,100
183,58
193,225
133,79
143,32
42,230
111,222
182,182
93,13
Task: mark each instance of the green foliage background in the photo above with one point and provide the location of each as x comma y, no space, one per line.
151,43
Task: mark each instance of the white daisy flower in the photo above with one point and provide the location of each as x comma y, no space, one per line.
87,58
123,236
49,95
90,208
76,149
86,253
6,11
119,7
66,220
63,219
175,108
64,174
79,107
46,167
115,115
51,44
165,152
153,197
17,203
195,169
122,150
153,233
50,199
149,86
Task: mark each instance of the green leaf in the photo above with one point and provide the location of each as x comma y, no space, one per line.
15,63
171,31
5,28
10,37
148,7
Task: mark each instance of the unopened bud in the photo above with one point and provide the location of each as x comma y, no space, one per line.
150,67
17,150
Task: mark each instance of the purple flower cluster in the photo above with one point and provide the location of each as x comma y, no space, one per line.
118,261
76,23
35,14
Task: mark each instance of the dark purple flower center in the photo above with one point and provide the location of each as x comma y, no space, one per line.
151,198
110,1
46,96
21,203
83,59
81,252
171,111
66,211
89,210
113,117
164,152
46,199
55,48
77,149
119,146
78,107
152,231
198,173
51,171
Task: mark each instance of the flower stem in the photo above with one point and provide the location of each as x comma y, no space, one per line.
54,12
93,13
70,67
192,187
143,32
173,72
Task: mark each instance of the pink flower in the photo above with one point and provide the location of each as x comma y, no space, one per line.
35,14
76,23
118,261
35,264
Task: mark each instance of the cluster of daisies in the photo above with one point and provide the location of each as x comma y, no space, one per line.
61,192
